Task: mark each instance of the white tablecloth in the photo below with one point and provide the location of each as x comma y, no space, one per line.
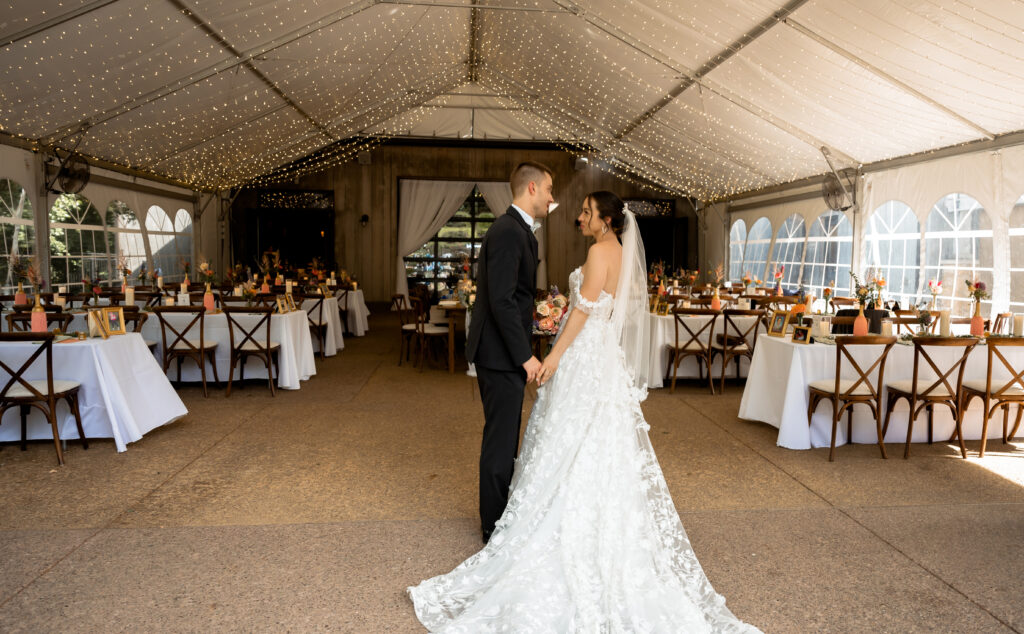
333,341
663,335
358,313
123,395
776,393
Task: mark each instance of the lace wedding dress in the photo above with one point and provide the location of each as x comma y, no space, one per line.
590,540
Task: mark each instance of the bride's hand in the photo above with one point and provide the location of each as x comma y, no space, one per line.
547,369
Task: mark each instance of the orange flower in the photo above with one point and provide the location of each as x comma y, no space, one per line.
798,308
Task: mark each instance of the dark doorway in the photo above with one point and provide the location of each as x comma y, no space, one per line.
665,236
298,223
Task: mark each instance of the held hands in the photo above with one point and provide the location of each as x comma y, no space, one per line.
532,367
547,369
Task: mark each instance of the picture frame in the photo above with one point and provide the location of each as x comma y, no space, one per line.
282,307
663,308
326,292
113,320
290,302
653,301
778,323
802,335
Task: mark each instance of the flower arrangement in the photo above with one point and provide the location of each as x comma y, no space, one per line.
692,276
249,292
233,276
270,264
186,266
657,272
140,277
747,280
206,274
977,290
123,268
155,274
870,292
467,295
548,312
91,288
33,275
718,274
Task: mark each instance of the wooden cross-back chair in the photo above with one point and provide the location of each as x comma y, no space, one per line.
315,317
251,343
343,308
694,343
41,394
1003,322
134,319
735,342
924,394
426,333
178,345
22,321
843,394
839,303
995,393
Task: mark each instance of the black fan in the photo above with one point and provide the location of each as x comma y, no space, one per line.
833,193
73,175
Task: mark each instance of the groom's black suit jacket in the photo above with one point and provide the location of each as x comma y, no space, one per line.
502,323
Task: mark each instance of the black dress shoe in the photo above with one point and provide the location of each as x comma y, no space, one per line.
487,536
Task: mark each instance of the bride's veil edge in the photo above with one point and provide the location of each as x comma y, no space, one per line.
629,311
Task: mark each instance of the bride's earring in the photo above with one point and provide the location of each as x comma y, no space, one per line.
604,229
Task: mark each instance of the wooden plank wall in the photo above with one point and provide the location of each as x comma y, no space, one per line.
370,252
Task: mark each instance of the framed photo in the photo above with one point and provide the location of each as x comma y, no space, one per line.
326,292
802,334
653,299
290,302
113,320
778,323
282,307
663,308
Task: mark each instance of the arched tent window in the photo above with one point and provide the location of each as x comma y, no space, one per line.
759,241
169,247
1017,257
957,247
737,240
80,247
789,250
16,223
128,240
892,246
829,254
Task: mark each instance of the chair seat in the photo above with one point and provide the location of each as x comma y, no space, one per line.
431,329
907,386
59,388
181,345
978,385
828,385
252,346
410,327
692,346
149,344
720,345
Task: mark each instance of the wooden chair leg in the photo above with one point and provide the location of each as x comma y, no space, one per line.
1016,424
24,426
73,404
202,372
231,373
849,425
675,373
270,372
984,428
213,364
711,381
52,415
836,414
878,429
931,420
1006,419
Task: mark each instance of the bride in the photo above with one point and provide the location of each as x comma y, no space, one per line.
590,540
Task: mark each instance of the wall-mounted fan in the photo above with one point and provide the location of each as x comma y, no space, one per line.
72,176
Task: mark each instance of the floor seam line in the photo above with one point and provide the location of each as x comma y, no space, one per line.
851,518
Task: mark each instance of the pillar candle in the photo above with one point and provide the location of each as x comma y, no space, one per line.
331,282
944,329
184,288
59,301
288,287
355,286
129,296
238,291
886,328
169,301
160,281
1018,325
63,290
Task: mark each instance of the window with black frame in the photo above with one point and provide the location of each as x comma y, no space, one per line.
447,257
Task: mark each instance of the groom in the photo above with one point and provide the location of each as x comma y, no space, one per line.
500,332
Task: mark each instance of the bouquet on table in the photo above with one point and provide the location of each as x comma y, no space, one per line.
233,276
868,293
187,267
935,288
467,295
976,290
827,294
747,281
206,274
778,279
140,277
548,313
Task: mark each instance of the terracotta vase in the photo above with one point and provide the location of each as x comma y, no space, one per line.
716,302
208,302
977,323
20,297
38,316
860,324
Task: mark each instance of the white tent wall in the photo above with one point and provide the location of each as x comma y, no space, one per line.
994,178
139,194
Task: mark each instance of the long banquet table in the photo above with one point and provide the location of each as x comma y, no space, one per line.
776,393
663,336
291,330
123,393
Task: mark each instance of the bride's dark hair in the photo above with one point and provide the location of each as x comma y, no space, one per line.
610,207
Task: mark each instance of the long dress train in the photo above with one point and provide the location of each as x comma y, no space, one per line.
590,540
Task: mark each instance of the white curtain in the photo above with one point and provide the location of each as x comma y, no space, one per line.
424,207
498,196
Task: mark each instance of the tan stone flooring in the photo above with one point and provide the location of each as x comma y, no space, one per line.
312,511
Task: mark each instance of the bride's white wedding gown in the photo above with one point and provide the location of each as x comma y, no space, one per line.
590,540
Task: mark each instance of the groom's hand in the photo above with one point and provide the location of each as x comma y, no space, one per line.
532,367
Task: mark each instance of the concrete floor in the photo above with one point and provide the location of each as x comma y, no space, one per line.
312,511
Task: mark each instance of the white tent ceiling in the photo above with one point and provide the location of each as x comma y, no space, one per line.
705,98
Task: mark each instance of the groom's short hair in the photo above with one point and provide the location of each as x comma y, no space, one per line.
525,173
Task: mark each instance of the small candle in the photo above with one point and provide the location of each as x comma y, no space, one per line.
238,291
355,286
824,327
59,301
686,303
288,287
160,281
944,329
168,301
332,275
129,296
63,290
1018,325
184,288
886,328
331,282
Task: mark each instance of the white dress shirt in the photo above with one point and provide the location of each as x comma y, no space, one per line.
534,225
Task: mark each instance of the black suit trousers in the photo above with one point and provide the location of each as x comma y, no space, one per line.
501,392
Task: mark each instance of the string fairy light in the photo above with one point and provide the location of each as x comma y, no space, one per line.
217,96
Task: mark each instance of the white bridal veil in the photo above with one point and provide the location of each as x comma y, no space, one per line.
629,312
